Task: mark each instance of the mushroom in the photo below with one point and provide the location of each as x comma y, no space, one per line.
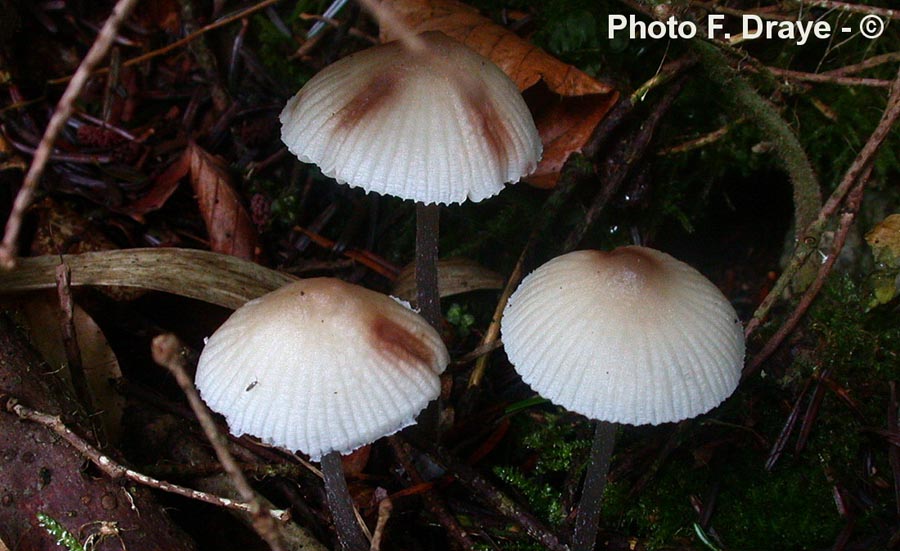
323,367
627,336
438,125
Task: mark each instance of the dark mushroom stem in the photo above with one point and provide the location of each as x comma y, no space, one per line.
588,516
350,536
427,229
428,298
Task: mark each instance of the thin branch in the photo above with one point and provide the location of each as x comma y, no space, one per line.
64,109
113,469
72,349
745,100
701,141
437,508
830,78
873,61
384,514
178,43
846,220
854,8
809,238
167,352
718,8
502,503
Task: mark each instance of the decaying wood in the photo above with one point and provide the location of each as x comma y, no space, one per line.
41,473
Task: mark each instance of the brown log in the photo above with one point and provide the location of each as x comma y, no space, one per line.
41,473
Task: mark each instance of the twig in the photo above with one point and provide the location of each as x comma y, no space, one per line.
490,340
701,141
113,469
846,220
384,513
389,20
205,59
666,73
178,43
105,38
854,8
366,258
830,78
620,161
70,345
747,101
437,508
167,352
873,61
716,7
788,428
809,238
470,478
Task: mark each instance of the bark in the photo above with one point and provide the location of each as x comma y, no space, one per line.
40,473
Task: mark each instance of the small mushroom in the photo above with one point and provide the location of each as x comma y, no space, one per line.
627,336
439,125
323,367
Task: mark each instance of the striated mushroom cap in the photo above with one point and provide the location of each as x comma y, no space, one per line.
321,365
437,127
628,336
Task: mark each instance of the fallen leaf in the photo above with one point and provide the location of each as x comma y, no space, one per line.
100,364
161,14
9,158
884,281
164,185
884,239
231,231
566,113
60,229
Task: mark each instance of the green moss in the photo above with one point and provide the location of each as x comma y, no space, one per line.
550,448
861,346
790,508
274,50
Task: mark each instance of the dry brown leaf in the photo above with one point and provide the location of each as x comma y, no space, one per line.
100,365
576,103
61,229
164,185
160,14
231,231
9,158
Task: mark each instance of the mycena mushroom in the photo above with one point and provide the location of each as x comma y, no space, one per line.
323,367
627,336
437,126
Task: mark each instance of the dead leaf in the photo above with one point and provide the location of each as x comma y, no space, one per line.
161,14
576,103
10,158
164,185
100,364
231,231
455,276
63,230
884,239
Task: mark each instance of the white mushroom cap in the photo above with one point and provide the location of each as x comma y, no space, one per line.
628,336
437,127
321,365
